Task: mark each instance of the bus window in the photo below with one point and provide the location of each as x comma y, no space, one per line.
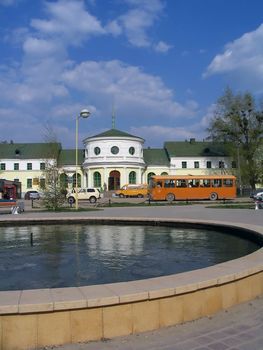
152,183
205,183
228,183
169,183
216,183
193,183
181,183
159,184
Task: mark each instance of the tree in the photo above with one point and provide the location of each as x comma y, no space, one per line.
54,190
238,122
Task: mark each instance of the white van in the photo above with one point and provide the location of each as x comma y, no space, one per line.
91,194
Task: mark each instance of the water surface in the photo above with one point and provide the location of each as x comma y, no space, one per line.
76,255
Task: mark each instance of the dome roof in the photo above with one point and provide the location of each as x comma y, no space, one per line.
114,133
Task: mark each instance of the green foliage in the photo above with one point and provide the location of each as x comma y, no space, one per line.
238,122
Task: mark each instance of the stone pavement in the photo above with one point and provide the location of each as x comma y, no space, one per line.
239,328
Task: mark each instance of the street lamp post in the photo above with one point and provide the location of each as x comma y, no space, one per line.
85,113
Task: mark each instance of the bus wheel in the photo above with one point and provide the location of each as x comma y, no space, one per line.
213,196
121,195
170,197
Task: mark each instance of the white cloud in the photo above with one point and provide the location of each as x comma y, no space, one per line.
135,23
130,85
162,47
40,47
158,134
69,20
114,28
242,58
46,85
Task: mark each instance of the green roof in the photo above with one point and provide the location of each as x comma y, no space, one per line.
68,157
194,148
156,156
114,133
29,150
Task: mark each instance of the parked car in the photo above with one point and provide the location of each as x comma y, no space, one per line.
259,201
32,195
91,194
256,193
133,190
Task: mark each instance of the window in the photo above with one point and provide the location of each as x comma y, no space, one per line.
29,166
16,166
97,151
169,183
114,150
149,176
228,183
29,183
64,180
184,165
2,166
181,183
42,166
97,179
221,164
234,164
209,164
217,183
193,183
132,177
196,165
131,150
74,180
164,173
205,183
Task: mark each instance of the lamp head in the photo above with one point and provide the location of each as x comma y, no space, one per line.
85,113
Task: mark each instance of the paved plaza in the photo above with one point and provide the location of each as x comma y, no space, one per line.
239,328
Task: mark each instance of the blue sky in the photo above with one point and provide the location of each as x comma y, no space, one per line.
162,64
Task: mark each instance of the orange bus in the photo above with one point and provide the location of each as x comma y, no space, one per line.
173,187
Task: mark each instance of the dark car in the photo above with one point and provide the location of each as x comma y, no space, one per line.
32,195
256,193
259,202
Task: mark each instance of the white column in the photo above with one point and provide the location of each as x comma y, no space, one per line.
140,176
88,183
105,176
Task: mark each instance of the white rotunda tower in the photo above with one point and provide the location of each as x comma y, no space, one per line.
112,159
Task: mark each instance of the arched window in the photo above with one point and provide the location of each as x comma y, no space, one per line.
64,180
164,173
97,179
132,177
74,180
149,176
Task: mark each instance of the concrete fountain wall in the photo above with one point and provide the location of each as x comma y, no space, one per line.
30,319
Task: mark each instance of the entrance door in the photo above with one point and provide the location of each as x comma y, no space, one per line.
114,180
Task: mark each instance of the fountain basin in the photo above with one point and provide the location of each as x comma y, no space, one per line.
46,317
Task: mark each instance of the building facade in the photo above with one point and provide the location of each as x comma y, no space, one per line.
110,160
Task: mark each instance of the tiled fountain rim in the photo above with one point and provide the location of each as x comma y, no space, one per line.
55,299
